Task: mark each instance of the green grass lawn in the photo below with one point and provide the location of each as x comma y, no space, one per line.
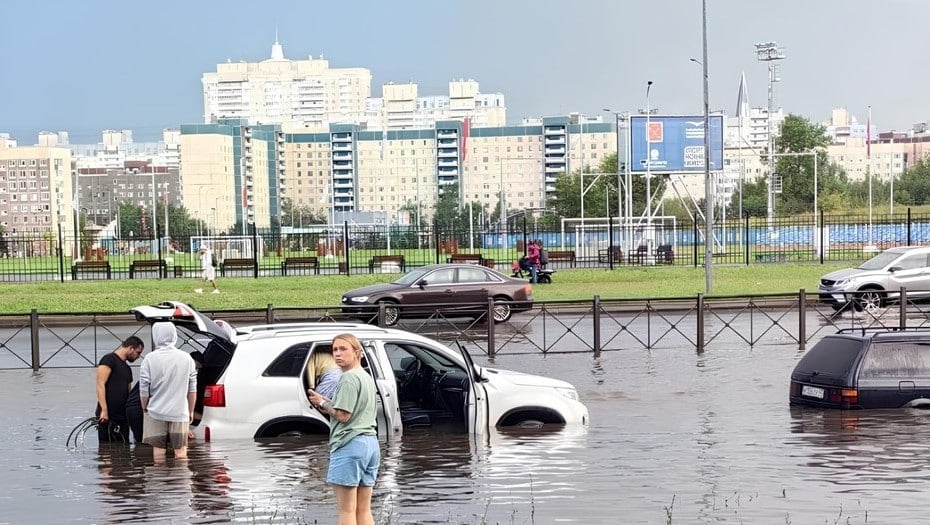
302,291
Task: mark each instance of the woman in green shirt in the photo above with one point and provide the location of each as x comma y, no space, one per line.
354,453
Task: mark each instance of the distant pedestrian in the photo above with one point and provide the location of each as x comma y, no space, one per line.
207,267
532,256
168,391
114,380
354,453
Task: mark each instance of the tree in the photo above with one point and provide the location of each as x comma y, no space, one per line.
913,186
799,135
600,199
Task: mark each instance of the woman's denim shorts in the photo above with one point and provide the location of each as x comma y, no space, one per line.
355,464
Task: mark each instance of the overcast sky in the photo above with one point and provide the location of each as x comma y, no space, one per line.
88,66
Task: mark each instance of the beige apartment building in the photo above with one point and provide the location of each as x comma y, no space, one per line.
297,93
36,193
231,173
309,95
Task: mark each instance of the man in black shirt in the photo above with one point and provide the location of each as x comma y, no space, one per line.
114,378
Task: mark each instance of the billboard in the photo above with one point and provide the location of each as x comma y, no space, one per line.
676,144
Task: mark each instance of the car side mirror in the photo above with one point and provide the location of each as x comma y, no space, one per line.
421,283
894,269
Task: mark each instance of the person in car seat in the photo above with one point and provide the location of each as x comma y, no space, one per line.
323,373
354,454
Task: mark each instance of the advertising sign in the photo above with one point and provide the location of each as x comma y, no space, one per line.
676,144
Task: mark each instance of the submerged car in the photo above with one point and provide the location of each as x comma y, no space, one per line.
451,289
863,368
878,281
253,382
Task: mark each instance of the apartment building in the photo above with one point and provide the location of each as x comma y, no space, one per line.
349,169
307,96
100,190
35,189
294,93
232,173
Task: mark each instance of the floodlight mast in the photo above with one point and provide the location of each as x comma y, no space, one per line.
771,53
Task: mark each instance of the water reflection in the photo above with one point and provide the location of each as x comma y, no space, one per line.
863,447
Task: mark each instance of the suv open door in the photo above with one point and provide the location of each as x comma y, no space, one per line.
477,399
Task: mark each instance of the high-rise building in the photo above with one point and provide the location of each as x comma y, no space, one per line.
292,93
36,189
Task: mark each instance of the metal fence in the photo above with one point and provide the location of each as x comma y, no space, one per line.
696,324
351,248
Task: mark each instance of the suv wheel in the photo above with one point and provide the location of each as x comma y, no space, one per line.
869,300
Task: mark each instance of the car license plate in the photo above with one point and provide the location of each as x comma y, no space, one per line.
812,391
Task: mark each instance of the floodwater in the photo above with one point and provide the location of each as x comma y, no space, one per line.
674,438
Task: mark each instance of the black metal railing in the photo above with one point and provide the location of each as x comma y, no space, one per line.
350,248
699,323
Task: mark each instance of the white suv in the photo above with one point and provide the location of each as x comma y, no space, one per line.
253,384
878,281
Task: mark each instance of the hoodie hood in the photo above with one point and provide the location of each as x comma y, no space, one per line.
164,336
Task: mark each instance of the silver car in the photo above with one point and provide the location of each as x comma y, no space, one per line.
878,281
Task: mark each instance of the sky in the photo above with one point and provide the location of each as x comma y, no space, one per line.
83,67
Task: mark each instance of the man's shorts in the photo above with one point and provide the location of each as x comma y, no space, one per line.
159,433
355,464
209,274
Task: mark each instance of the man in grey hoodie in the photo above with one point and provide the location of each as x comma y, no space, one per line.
168,391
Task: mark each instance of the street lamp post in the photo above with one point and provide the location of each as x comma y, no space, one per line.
708,186
648,167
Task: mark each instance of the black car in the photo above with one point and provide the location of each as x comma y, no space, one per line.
452,289
863,368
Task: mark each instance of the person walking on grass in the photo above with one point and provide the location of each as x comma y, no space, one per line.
208,268
114,379
354,453
168,392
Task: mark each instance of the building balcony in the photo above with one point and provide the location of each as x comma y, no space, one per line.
555,150
550,141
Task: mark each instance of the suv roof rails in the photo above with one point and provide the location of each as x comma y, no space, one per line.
310,325
878,331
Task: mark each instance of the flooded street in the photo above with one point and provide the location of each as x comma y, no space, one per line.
674,437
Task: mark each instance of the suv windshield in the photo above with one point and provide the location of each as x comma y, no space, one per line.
879,261
832,356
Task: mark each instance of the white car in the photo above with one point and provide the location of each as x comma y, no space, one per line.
253,385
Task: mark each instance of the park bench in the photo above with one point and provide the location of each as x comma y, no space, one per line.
91,267
148,265
300,262
466,258
237,264
386,263
665,254
604,256
561,256
640,255
771,256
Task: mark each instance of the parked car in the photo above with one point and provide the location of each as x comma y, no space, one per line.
254,382
865,368
452,289
878,281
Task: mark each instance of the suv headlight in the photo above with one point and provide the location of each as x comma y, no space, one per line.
570,393
359,299
841,282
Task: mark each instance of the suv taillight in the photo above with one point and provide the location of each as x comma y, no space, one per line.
214,396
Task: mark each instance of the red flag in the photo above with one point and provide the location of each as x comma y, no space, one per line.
868,136
466,126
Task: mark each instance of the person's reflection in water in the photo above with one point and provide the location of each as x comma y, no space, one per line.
121,483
